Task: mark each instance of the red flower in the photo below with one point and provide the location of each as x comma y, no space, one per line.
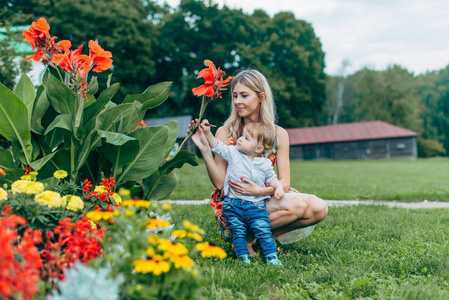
73,60
101,59
213,81
2,172
37,34
142,124
86,185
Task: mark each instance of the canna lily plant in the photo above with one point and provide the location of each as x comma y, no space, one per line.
64,125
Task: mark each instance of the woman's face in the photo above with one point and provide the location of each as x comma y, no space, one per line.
245,100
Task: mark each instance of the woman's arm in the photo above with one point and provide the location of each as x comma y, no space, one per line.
283,158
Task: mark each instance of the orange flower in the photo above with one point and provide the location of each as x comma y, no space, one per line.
2,172
37,33
73,61
213,81
101,59
142,124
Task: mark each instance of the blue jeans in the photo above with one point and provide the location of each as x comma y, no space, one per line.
240,215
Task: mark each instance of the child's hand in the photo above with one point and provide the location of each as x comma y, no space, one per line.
279,193
205,128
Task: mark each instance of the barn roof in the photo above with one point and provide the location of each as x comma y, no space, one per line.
347,132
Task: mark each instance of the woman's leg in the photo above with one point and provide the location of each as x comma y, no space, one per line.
302,210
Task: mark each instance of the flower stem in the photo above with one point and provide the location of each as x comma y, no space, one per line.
204,103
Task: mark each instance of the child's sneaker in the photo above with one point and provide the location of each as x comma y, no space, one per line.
245,259
273,260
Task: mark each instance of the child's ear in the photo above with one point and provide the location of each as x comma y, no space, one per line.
259,149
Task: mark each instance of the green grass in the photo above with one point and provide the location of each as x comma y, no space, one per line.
402,180
358,252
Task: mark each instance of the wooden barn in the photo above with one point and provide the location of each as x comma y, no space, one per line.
358,140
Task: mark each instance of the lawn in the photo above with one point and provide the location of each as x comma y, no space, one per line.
402,180
358,252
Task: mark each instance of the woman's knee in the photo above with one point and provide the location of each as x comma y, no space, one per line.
298,205
308,207
318,207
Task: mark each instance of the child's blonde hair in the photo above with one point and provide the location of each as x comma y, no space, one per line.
264,135
258,83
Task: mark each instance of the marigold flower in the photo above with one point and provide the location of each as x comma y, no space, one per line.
154,239
208,250
97,215
156,265
101,60
184,233
3,194
49,198
190,227
172,248
60,174
73,202
26,177
2,172
213,81
136,203
27,187
153,223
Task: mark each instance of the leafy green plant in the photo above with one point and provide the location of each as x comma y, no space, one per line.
63,125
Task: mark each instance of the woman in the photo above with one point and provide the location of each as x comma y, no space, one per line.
252,101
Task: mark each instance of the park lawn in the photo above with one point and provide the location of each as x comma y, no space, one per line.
402,180
358,252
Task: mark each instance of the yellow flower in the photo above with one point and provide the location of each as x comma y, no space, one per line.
26,177
184,233
136,203
172,248
49,198
208,250
73,202
153,239
97,215
153,223
3,194
92,225
27,187
156,265
116,197
130,212
60,174
124,193
166,206
190,227
181,261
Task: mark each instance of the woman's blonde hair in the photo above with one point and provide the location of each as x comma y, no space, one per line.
258,83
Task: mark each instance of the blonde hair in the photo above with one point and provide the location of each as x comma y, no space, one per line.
264,134
258,83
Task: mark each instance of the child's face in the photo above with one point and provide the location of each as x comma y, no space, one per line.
247,144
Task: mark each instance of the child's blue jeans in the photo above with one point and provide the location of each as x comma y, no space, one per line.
241,215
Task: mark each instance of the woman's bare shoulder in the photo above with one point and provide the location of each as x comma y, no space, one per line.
282,134
222,135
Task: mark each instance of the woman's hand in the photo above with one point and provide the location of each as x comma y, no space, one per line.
198,137
247,187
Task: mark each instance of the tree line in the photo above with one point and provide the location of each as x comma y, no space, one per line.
152,43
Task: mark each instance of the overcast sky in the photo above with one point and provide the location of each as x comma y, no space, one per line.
372,33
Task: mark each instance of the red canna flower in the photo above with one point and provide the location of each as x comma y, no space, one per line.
37,34
213,81
101,60
142,124
2,172
73,60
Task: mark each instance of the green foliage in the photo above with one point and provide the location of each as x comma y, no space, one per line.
429,148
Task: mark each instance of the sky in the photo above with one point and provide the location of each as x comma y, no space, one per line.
369,33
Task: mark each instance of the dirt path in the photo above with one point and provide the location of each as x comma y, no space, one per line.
413,205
